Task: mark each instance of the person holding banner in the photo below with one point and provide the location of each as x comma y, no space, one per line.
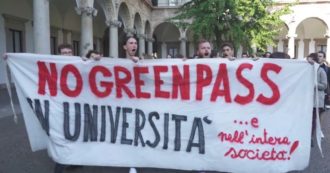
65,49
93,54
130,46
321,87
324,65
227,51
204,49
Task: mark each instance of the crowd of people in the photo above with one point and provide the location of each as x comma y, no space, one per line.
204,50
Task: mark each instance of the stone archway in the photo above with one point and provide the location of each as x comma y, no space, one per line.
281,42
148,42
124,18
167,36
139,34
311,36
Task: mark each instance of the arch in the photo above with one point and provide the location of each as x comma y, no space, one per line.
312,27
167,32
138,23
167,39
147,29
283,32
147,33
108,9
124,15
311,35
99,26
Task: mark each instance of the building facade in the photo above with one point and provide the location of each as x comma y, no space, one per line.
39,26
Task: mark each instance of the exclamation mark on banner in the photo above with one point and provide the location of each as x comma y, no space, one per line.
293,147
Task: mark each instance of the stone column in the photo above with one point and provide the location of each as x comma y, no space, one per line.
113,37
86,42
41,26
183,46
69,37
311,46
328,47
29,37
291,45
129,31
280,46
164,50
98,44
270,49
2,49
191,49
239,51
150,48
141,45
301,50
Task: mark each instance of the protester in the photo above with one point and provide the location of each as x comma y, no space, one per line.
323,64
204,49
93,54
65,49
266,55
130,46
280,55
227,51
245,55
321,87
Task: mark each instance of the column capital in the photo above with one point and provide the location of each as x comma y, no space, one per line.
115,23
141,36
89,11
150,39
291,35
183,39
130,31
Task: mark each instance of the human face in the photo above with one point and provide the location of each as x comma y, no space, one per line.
227,52
66,52
204,50
267,55
130,47
321,57
95,56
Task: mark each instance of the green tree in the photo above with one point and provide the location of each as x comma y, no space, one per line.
241,22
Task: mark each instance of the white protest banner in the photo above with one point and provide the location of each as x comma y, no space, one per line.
200,114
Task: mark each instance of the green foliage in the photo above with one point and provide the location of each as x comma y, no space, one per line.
241,22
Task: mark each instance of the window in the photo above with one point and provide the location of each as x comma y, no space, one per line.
173,52
173,2
15,40
76,48
53,45
321,48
